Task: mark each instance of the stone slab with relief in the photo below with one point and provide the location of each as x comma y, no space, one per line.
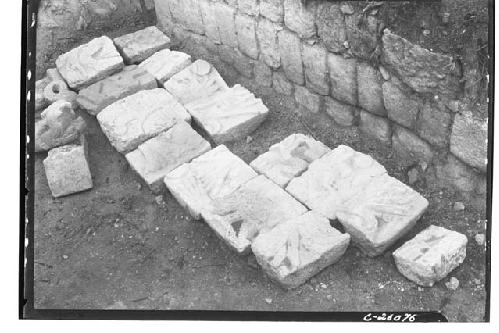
255,207
229,115
134,119
211,176
288,158
139,45
197,81
89,63
297,249
431,255
166,63
155,158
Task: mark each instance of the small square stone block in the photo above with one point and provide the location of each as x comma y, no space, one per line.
431,255
165,63
297,249
139,45
155,158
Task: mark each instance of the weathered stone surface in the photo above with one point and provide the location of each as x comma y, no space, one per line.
187,13
165,63
255,207
370,95
400,107
267,36
469,140
134,119
433,125
310,101
67,170
297,249
58,126
299,17
55,90
229,115
53,74
155,158
331,26
410,148
272,10
163,15
142,44
211,176
40,101
263,74
362,33
455,174
314,59
209,19
343,78
289,158
422,70
245,31
197,81
333,179
89,63
431,255
343,114
243,64
225,22
281,84
291,58
249,7
382,212
99,95
375,126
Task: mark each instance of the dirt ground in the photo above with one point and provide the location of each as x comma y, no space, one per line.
116,247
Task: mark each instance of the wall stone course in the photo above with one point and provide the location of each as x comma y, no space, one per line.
267,37
291,58
315,70
245,30
299,17
370,95
343,81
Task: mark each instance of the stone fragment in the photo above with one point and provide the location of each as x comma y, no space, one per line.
229,115
346,9
314,59
267,36
400,107
458,206
299,17
58,126
40,101
469,140
375,126
289,158
433,125
142,44
290,54
99,95
410,147
209,19
342,78
188,14
331,26
454,283
272,10
197,81
263,74
297,249
370,95
155,158
413,175
255,207
343,114
136,118
431,255
55,90
89,63
281,84
225,22
165,63
67,170
245,31
211,176
310,101
249,7
480,239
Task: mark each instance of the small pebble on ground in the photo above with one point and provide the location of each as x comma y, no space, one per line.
458,206
453,284
480,239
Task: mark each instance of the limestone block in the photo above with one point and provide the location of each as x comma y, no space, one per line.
140,45
165,63
155,158
197,81
99,95
290,54
247,40
314,59
289,158
370,95
333,179
263,74
225,22
40,101
343,114
208,16
163,15
267,36
400,106
281,84
67,170
188,14
331,26
272,10
297,249
58,126
134,119
310,101
229,115
375,127
410,147
342,78
382,211
249,7
431,255
89,63
211,176
469,140
433,125
299,17
255,207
